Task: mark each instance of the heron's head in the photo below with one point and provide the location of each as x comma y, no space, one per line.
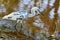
11,16
5,17
8,17
35,9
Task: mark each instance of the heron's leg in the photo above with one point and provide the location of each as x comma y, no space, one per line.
15,26
19,22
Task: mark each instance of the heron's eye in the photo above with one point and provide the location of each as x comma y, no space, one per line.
16,14
9,17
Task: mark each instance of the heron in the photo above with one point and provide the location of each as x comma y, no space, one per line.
20,15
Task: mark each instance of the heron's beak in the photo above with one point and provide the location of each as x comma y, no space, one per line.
4,17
